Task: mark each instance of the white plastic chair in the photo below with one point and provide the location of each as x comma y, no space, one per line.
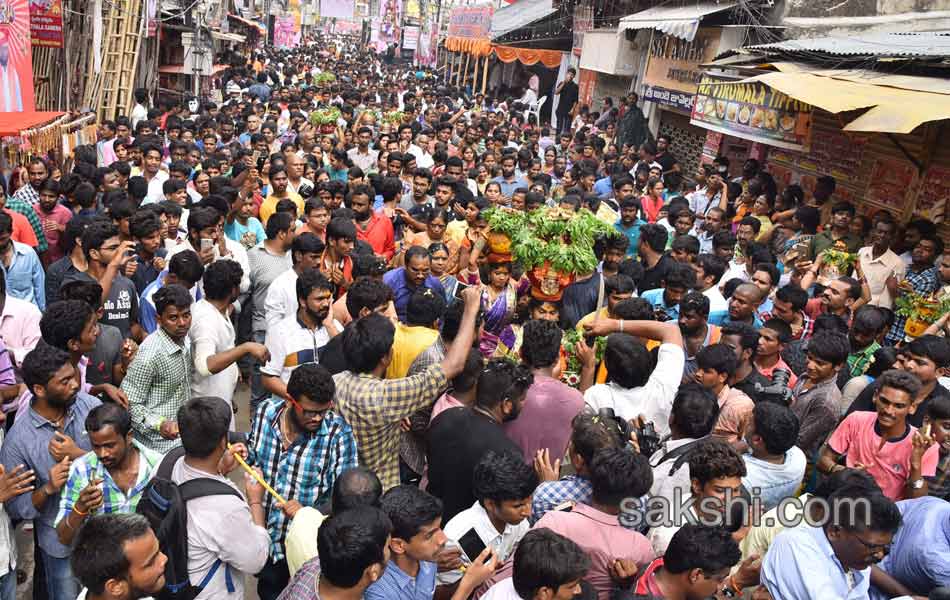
535,109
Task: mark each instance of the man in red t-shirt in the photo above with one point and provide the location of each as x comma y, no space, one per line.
696,566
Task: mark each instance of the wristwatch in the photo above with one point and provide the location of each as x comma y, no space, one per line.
917,484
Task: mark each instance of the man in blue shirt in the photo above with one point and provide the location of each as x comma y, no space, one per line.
742,307
629,223
24,273
834,560
666,300
417,542
46,439
184,269
404,281
508,181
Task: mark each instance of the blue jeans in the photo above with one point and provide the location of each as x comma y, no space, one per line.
60,583
8,586
258,393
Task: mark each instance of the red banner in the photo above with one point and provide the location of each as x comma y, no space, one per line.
46,23
16,60
585,85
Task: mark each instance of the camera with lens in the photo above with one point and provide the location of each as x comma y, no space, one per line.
777,390
647,437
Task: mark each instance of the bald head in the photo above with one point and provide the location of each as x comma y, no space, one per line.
356,487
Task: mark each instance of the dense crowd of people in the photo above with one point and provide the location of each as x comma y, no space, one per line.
721,407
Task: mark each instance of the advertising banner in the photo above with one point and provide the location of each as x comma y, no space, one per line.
338,9
673,71
390,21
410,37
46,23
16,61
752,111
470,22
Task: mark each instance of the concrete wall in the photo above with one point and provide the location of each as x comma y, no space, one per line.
815,18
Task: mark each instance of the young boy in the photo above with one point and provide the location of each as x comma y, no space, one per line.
241,225
896,454
938,420
715,365
317,219
773,336
816,396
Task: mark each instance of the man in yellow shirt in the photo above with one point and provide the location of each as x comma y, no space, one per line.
278,192
421,330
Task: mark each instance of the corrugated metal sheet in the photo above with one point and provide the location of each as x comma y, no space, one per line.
931,44
678,21
518,15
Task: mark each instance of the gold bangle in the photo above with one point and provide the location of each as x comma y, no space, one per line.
79,512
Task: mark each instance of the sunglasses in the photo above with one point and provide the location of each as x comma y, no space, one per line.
310,414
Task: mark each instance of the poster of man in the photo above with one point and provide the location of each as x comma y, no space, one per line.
16,65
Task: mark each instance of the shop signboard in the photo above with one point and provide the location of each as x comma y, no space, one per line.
470,22
673,70
410,37
672,98
585,86
753,111
46,23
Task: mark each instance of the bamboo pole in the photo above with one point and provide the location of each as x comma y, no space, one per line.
465,70
485,73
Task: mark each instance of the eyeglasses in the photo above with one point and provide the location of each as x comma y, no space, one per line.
873,548
310,414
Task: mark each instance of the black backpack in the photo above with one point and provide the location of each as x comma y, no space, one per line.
163,504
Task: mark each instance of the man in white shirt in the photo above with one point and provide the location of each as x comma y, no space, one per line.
507,506
362,156
225,529
281,301
634,389
153,174
695,410
709,271
297,339
139,112
882,268
295,178
212,337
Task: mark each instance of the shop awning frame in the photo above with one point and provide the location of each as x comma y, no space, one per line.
678,21
248,22
513,17
228,37
13,123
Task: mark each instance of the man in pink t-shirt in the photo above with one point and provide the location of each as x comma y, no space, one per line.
53,217
617,475
549,406
883,443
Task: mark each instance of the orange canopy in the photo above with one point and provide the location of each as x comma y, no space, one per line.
529,56
475,46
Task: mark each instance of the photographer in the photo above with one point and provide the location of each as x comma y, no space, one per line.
694,415
637,387
618,475
679,280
